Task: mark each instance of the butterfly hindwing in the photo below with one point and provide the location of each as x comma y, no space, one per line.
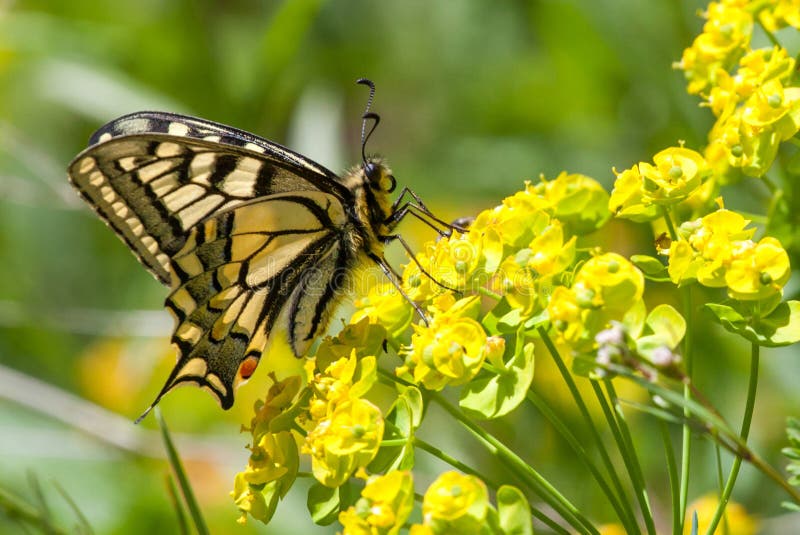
152,177
238,271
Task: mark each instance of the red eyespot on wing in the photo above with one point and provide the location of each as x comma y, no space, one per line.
248,367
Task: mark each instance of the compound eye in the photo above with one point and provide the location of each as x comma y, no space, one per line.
392,184
371,170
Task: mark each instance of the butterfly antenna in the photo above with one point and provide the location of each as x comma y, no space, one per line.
367,116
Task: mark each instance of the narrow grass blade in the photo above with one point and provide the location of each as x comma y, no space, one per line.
84,528
180,512
180,475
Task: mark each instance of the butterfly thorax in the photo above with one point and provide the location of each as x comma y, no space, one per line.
371,183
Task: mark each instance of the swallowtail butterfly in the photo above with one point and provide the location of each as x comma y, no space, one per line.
249,236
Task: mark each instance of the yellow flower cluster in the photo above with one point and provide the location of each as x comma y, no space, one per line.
329,418
454,503
345,430
755,109
385,504
605,288
717,251
674,175
274,460
451,350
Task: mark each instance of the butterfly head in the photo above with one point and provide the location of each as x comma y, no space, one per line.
378,177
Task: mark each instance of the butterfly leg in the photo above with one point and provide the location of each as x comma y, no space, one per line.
397,237
417,208
392,276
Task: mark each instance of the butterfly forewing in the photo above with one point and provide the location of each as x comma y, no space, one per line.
165,173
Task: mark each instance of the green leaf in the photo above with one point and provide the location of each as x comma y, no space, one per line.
492,318
500,393
536,321
780,328
323,503
635,318
668,327
403,418
509,322
514,511
651,266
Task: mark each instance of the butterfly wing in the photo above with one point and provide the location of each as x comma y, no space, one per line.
284,256
247,234
153,176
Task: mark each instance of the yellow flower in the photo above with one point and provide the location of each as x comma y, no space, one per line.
384,506
724,95
627,198
736,519
757,270
706,247
455,259
780,14
549,255
578,201
609,281
517,284
385,306
761,65
565,313
274,456
343,380
765,107
365,337
726,34
455,503
611,529
249,501
344,442
274,460
676,174
450,351
514,223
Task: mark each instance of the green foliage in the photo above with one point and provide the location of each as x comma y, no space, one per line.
780,327
498,393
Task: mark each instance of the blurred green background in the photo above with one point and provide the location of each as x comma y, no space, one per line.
475,97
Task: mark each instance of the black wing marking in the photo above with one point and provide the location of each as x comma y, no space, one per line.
155,122
237,272
151,188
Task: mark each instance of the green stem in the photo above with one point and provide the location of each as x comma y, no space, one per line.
532,478
673,235
393,442
771,186
624,513
576,395
746,420
628,451
452,461
488,293
686,438
672,470
769,34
